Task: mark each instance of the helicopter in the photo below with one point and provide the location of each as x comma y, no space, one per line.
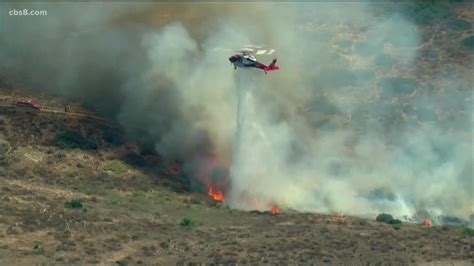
246,58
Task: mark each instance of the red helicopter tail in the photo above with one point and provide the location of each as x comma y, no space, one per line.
272,66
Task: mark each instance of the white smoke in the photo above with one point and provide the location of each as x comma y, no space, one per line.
350,123
383,161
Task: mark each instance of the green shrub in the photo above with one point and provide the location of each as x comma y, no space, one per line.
38,248
186,222
73,204
468,231
384,218
116,166
397,226
72,140
395,221
388,219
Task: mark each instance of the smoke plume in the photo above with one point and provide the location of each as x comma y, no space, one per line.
366,115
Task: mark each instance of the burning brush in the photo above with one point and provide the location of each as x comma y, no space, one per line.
426,219
215,194
275,210
214,174
427,222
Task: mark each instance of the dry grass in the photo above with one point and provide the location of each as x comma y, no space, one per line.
131,214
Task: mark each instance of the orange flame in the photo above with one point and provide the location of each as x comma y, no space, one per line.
426,222
215,194
275,210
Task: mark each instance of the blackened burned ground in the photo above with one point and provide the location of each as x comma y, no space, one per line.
96,205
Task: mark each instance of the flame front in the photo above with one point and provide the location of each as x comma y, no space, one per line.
275,210
427,222
215,194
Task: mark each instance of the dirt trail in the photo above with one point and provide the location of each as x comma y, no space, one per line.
54,111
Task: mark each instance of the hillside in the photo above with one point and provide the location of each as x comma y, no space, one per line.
109,203
371,112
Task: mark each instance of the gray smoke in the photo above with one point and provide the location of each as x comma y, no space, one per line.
354,121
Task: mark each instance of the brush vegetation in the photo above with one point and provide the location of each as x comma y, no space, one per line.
186,222
116,166
397,226
74,204
468,231
388,219
74,140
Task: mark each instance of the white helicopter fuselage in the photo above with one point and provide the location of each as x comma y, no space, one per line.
247,60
